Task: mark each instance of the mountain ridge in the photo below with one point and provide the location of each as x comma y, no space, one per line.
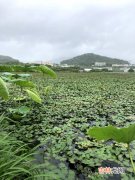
8,60
89,59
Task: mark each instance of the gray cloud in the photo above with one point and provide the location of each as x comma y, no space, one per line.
55,30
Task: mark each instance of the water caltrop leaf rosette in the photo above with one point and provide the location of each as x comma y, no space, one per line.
124,135
3,90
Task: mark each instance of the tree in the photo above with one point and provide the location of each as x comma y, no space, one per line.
130,70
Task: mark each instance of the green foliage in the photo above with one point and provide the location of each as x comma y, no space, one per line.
48,90
34,96
23,83
16,160
3,90
18,68
130,70
66,69
47,71
19,112
10,77
6,68
89,59
8,74
78,101
11,164
124,135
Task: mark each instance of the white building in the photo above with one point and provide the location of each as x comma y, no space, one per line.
100,63
66,65
87,70
100,68
120,65
44,62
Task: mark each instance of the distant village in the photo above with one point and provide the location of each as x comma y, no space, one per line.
97,66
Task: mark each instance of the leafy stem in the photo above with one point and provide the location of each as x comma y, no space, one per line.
131,159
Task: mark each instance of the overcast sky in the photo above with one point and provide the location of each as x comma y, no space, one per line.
54,30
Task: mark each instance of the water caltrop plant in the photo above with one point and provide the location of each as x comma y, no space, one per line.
77,102
21,80
25,86
121,135
16,160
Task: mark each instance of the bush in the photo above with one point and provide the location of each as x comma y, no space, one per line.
130,70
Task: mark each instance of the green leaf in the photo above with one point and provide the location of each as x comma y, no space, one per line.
6,79
3,90
124,135
23,83
34,96
46,70
24,75
20,110
47,90
24,110
34,91
8,74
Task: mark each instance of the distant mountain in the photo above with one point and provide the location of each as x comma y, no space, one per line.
8,60
89,59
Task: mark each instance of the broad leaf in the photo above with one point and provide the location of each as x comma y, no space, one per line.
46,70
23,110
24,75
125,135
8,74
20,110
34,96
3,90
23,83
34,91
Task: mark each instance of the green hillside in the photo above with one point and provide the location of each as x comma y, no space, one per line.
8,60
89,59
